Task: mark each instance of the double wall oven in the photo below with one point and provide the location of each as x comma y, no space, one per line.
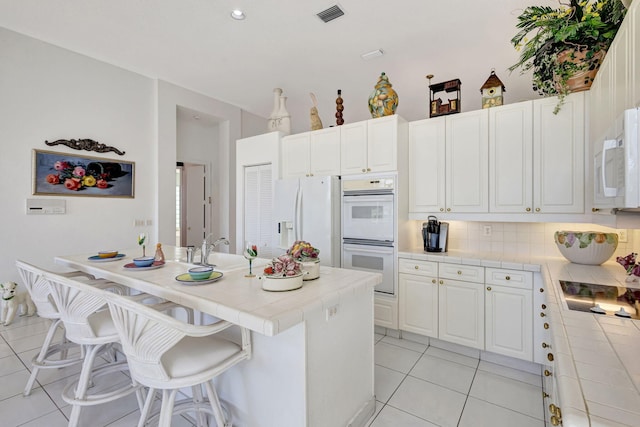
369,227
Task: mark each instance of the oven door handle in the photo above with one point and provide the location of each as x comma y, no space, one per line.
384,251
608,144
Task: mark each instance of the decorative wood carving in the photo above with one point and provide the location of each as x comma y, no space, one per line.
85,144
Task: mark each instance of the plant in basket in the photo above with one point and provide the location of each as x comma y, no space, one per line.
303,251
283,266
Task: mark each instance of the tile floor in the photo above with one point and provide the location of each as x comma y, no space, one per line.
415,386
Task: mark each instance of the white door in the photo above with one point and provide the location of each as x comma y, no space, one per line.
511,158
382,144
418,304
195,206
461,313
259,226
558,155
467,155
427,165
353,148
509,321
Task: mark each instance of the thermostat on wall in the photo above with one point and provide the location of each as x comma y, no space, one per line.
46,206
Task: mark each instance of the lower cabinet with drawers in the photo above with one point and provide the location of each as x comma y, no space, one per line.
485,308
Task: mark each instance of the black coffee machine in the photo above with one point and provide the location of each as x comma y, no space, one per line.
435,235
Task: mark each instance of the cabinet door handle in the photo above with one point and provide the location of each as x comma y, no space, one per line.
528,209
459,272
364,170
545,394
546,325
542,314
441,209
368,169
550,357
541,289
537,209
448,209
488,288
433,280
416,267
544,306
547,373
442,282
507,278
555,421
545,345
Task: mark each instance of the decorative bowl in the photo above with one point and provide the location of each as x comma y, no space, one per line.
586,247
107,254
282,283
144,261
312,267
200,273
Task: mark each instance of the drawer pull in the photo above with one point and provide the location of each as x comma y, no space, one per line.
546,325
550,357
542,314
547,373
488,288
442,282
528,209
555,421
433,280
545,345
459,272
507,278
441,209
545,394
448,209
416,267
544,306
541,289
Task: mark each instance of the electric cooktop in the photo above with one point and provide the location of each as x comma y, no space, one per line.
607,300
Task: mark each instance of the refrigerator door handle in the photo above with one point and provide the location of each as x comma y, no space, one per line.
296,214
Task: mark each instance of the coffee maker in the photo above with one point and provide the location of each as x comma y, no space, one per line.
435,235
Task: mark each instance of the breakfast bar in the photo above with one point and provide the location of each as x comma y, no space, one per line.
312,361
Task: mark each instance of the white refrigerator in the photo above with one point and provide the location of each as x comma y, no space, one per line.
309,209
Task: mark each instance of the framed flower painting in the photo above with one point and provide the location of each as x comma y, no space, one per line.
60,174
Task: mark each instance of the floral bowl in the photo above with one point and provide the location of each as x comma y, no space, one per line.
586,247
282,283
144,261
107,254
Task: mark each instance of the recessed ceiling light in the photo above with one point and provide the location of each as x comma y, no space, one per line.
373,54
238,15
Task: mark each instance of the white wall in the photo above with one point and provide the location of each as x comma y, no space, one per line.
253,125
48,93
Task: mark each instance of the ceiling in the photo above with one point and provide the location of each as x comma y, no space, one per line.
282,43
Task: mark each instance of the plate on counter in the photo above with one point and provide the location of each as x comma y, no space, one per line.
186,279
98,258
133,266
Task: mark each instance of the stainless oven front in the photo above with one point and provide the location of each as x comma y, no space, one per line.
371,257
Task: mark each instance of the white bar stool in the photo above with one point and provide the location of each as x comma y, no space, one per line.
167,354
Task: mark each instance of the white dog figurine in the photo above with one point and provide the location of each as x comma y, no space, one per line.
11,300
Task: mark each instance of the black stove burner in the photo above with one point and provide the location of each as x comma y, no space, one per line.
602,299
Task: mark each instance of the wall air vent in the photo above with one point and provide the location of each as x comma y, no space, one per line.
330,14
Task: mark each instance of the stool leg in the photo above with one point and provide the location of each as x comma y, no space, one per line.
215,405
41,356
166,410
197,398
83,382
144,414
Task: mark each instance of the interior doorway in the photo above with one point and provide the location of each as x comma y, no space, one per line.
192,204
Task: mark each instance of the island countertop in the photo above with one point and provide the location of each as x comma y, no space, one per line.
235,298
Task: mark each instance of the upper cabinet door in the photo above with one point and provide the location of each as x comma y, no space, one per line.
511,158
467,171
634,41
353,148
558,155
324,152
295,155
382,148
427,165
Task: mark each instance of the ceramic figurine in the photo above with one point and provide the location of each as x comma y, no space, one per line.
316,123
339,109
383,100
12,300
271,124
283,121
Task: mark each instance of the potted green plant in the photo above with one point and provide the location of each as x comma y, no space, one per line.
564,46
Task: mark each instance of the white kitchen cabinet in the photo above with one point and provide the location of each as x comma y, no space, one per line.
315,153
467,162
511,158
461,312
372,146
509,313
385,311
427,165
558,155
418,297
634,49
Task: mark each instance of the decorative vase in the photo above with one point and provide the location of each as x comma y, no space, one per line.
283,120
271,124
581,80
339,109
312,267
383,100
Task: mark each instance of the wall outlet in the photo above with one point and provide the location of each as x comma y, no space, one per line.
622,236
486,230
332,312
149,222
138,222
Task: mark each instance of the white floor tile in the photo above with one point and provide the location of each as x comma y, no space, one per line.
103,415
28,343
10,364
386,382
429,401
19,410
512,394
25,330
13,384
47,376
5,349
53,419
454,357
478,413
377,337
514,374
394,357
448,374
392,417
411,345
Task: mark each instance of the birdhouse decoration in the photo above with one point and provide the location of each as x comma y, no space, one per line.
492,91
437,107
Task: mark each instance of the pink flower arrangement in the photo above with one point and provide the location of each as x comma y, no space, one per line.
303,250
629,263
283,266
76,176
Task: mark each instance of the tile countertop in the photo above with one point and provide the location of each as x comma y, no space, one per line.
236,298
597,358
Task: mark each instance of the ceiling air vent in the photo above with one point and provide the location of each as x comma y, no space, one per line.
331,13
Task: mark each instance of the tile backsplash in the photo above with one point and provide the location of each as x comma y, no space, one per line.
524,238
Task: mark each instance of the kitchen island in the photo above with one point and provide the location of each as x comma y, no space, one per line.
312,361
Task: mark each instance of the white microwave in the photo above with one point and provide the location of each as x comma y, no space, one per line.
617,165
